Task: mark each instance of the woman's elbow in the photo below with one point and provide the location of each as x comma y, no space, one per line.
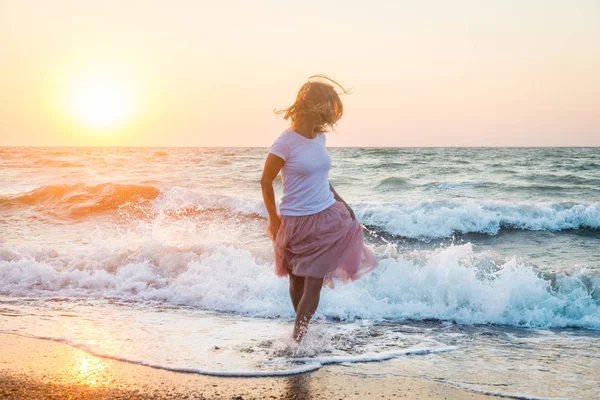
265,182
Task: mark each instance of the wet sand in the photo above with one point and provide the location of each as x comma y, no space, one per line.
42,369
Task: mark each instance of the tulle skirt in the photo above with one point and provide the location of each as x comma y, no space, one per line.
328,245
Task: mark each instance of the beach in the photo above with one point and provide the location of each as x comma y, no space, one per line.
42,369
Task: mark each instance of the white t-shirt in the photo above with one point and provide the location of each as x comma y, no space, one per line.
305,173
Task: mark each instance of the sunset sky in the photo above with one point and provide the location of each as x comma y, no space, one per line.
210,73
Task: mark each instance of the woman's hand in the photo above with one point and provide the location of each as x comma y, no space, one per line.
273,227
338,198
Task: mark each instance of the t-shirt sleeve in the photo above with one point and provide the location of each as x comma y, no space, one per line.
281,148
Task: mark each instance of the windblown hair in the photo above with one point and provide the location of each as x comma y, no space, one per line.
318,100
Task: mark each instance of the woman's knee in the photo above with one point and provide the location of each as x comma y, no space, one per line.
312,286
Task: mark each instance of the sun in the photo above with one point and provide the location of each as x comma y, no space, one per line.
101,102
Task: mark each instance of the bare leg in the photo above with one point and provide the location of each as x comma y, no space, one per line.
296,289
307,306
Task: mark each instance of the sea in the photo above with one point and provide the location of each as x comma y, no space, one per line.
488,277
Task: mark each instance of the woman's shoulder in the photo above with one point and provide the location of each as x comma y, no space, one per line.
283,145
288,133
286,136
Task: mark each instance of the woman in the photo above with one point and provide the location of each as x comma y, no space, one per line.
317,237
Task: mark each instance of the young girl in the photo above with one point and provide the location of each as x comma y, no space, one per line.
317,237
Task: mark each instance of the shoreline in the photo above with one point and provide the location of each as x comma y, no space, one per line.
32,368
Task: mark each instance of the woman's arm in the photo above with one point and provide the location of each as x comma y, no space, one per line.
273,165
338,198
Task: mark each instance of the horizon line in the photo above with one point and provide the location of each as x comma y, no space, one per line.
329,147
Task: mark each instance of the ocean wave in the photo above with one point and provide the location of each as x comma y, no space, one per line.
53,163
451,284
527,189
585,167
25,163
394,183
179,200
422,220
452,186
390,165
439,219
568,179
80,200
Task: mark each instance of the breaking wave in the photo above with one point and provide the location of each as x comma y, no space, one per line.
439,219
453,284
415,220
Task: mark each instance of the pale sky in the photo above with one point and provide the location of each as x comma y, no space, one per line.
210,73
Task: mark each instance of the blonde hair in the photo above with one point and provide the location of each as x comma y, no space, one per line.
319,100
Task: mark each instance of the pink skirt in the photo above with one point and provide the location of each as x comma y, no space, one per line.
327,245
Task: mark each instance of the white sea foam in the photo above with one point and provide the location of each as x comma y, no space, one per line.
179,198
307,367
450,284
438,219
412,219
376,357
420,219
285,366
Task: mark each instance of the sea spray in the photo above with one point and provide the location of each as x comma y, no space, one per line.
454,284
